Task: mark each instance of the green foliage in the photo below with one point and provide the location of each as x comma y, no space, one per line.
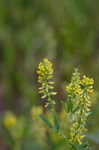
48,123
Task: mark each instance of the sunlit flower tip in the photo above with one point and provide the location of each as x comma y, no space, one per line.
51,82
79,141
44,96
53,93
46,105
9,120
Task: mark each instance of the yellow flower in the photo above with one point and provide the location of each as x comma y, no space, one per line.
88,84
77,133
79,93
36,111
45,76
74,88
9,120
45,70
87,81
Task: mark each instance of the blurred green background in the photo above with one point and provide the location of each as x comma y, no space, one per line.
66,32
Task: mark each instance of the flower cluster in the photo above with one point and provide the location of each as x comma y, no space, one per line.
74,88
87,83
45,71
79,92
45,76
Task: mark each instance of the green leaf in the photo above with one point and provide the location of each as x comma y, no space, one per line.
56,122
46,121
75,109
69,105
83,147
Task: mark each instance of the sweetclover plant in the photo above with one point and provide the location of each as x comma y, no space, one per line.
77,105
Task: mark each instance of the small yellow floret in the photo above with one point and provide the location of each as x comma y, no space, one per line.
9,120
36,111
87,81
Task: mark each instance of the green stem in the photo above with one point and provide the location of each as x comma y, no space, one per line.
17,145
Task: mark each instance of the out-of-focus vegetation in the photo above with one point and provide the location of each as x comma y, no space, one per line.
67,32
